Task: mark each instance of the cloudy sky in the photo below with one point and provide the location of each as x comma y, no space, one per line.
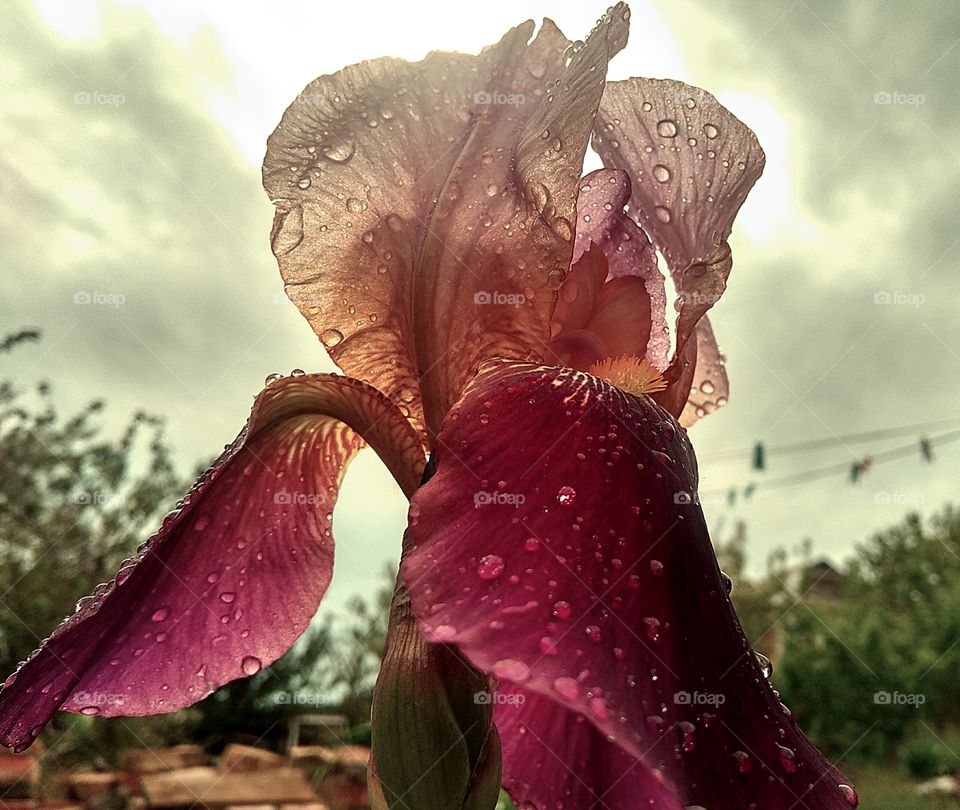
131,135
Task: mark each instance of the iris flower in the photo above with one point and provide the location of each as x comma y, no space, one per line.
505,318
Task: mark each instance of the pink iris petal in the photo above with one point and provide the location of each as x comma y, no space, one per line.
448,186
692,163
554,757
709,387
231,579
602,221
560,546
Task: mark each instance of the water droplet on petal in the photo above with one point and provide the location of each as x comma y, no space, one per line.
562,610
511,670
160,614
849,794
667,128
787,758
490,567
250,665
710,131
90,711
766,665
444,632
567,688
566,496
331,337
661,173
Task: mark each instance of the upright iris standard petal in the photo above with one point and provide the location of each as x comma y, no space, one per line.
234,575
561,547
692,163
601,220
424,211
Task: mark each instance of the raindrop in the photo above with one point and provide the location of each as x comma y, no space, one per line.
250,665
667,128
331,337
566,496
593,632
490,567
766,665
444,632
562,610
160,614
304,184
511,669
661,173
849,794
710,131
567,688
656,568
787,758
744,762
532,544
663,214
340,152
90,711
227,597
272,378
653,628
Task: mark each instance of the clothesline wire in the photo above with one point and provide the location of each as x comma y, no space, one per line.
830,441
842,467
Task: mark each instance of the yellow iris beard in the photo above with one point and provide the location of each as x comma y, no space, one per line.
629,373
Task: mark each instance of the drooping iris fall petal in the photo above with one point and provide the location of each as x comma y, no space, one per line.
691,163
231,579
425,210
560,547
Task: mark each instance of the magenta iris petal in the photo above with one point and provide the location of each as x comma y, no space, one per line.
231,580
560,546
601,220
553,757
